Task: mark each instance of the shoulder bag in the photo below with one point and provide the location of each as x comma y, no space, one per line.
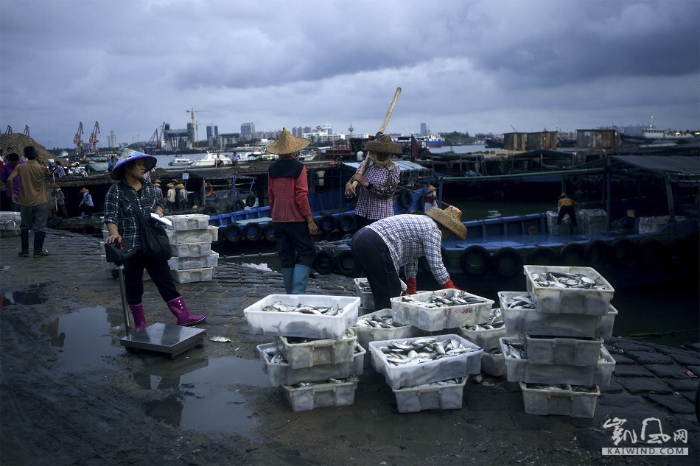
154,239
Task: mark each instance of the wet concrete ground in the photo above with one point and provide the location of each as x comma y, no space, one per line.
70,394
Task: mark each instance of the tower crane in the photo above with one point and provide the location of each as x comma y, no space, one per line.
78,139
93,137
196,129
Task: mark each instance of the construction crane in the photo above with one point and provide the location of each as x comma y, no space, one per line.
78,139
196,128
93,137
26,131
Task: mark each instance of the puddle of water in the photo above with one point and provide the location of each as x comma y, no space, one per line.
27,298
207,399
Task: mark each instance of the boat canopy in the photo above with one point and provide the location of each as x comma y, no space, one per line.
662,163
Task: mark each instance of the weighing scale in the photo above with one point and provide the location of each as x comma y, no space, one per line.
168,339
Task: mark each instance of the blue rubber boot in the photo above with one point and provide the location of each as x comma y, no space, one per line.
288,277
301,278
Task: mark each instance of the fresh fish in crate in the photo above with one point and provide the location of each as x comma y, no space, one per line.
275,356
519,302
494,351
534,386
566,280
376,321
495,321
441,383
422,350
351,379
279,306
364,287
584,388
516,350
461,298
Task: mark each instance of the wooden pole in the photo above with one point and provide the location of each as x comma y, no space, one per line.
365,162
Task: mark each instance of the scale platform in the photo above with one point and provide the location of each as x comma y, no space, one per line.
169,339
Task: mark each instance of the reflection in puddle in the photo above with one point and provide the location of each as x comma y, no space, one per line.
207,400
27,298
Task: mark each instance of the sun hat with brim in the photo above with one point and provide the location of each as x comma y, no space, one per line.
84,190
383,143
287,144
180,186
450,218
129,155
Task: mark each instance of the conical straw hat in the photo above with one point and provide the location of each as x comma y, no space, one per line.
450,218
287,144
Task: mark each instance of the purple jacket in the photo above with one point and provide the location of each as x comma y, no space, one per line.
5,173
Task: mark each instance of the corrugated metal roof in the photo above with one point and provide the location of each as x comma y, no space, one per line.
688,165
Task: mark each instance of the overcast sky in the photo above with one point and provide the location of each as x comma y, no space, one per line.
468,66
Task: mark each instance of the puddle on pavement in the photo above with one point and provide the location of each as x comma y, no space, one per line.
33,295
207,399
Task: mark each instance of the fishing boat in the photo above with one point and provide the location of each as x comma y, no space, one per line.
180,162
632,242
211,160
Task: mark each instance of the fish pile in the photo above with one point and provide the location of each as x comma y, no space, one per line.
422,350
515,350
350,379
461,298
495,321
442,383
364,287
522,301
375,321
279,306
274,356
563,387
566,280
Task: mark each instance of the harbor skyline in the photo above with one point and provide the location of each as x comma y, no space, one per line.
476,67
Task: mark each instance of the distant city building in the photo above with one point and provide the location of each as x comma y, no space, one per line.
424,131
297,131
212,131
112,140
248,131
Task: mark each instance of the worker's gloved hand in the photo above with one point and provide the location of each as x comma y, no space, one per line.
449,284
411,286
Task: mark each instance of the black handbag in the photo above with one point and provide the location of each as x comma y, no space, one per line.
154,239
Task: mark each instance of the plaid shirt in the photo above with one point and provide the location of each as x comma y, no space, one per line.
410,237
377,202
118,209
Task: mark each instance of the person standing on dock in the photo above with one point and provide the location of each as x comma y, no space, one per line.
122,223
566,206
288,193
33,201
86,204
14,187
170,204
393,242
377,185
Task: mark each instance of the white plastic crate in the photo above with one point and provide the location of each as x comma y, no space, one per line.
192,275
294,324
545,401
201,262
521,370
321,395
10,225
414,373
532,322
317,352
9,233
190,249
440,318
364,292
569,300
493,363
435,395
7,216
189,222
208,235
562,350
281,374
484,338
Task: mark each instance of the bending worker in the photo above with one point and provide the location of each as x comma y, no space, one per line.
376,187
386,245
288,193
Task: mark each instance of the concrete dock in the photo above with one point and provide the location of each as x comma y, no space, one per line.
115,407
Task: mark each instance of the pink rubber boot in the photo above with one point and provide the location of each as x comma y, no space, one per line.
139,318
179,310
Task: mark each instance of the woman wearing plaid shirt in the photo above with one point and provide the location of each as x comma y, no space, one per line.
123,225
376,186
393,242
